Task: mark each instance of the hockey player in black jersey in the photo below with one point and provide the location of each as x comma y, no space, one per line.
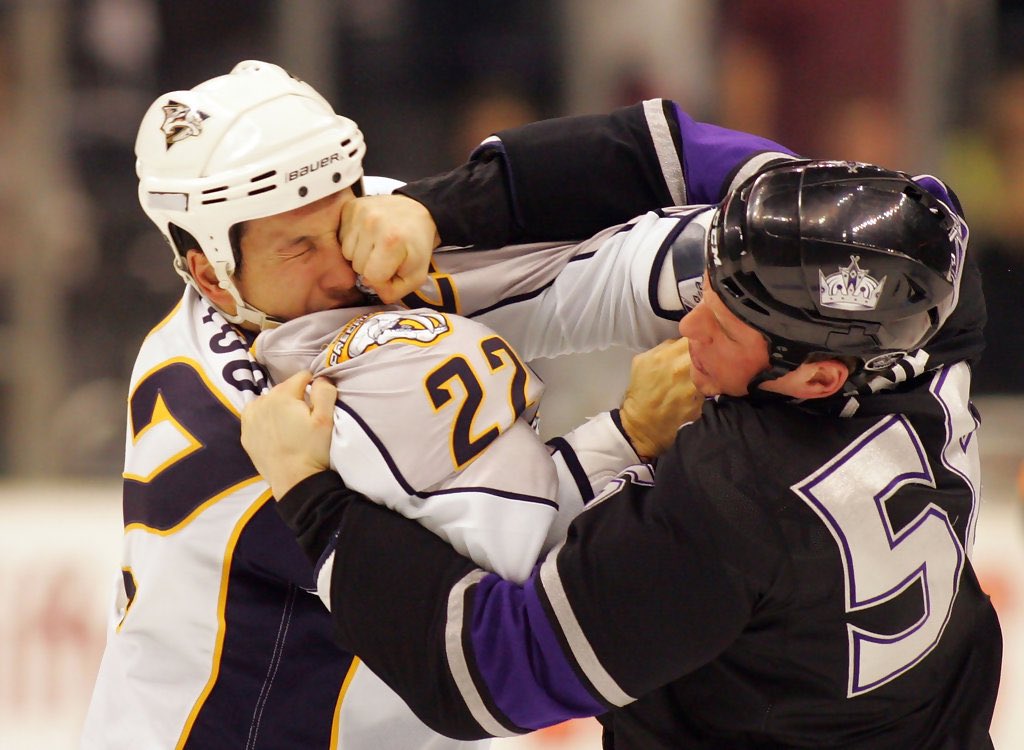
796,574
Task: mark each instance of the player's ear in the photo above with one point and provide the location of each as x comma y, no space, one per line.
206,279
820,379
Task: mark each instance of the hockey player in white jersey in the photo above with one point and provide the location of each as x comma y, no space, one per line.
213,641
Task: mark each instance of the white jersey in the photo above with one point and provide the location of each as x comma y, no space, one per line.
625,286
216,642
461,458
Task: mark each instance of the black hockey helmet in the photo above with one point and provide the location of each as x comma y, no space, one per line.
838,258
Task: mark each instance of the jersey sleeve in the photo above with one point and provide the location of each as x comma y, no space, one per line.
567,177
628,285
649,585
586,460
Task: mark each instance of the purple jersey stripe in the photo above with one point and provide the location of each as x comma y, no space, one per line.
939,189
711,155
519,658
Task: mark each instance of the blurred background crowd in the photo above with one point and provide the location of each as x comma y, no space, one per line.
920,85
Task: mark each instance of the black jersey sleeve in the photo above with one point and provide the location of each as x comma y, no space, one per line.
471,204
562,178
387,582
568,177
662,579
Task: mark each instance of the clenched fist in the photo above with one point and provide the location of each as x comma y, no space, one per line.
660,398
388,239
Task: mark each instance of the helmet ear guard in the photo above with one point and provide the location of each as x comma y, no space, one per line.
836,258
246,145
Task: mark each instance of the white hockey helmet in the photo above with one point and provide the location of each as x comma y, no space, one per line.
241,146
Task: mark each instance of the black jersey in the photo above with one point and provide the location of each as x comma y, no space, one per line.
823,594
769,590
568,177
797,576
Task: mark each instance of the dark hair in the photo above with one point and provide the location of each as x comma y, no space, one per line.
184,241
235,234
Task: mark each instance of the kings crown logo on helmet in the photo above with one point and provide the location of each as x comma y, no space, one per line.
181,122
850,288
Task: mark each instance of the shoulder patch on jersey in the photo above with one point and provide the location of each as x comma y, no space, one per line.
688,262
368,332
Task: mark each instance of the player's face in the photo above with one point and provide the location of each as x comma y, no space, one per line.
292,263
725,352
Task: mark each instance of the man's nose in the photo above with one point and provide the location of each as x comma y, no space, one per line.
337,272
694,325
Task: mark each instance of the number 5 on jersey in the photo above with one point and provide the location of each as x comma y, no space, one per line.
852,495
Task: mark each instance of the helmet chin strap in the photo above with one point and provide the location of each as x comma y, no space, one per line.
247,314
244,312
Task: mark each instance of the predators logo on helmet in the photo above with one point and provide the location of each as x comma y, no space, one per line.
181,122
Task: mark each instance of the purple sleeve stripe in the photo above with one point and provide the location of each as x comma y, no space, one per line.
941,191
462,663
712,153
520,660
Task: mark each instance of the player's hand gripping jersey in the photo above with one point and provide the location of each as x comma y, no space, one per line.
433,420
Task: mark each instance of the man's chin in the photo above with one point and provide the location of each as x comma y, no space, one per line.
703,383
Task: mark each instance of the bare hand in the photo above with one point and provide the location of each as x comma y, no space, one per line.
388,239
287,438
660,397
